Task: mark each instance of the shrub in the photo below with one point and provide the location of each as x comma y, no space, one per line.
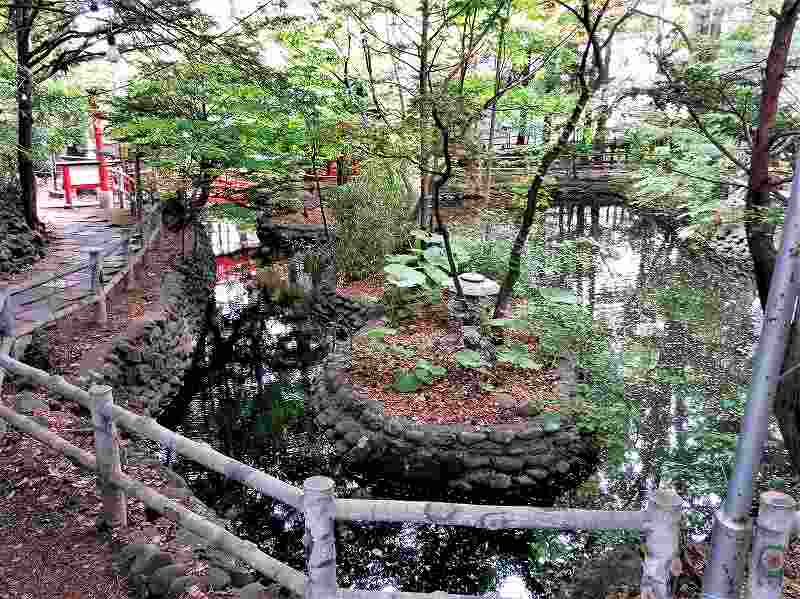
288,201
374,209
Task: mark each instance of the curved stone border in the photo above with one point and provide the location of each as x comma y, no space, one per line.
488,459
150,367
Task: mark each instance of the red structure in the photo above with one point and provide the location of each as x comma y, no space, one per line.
221,187
229,268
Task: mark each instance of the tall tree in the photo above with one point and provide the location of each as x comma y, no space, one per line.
51,37
599,27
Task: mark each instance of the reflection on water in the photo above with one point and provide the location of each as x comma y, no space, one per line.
668,311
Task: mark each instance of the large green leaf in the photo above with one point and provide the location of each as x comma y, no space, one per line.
403,276
433,252
511,323
438,276
424,376
401,259
559,294
439,261
405,382
468,358
381,332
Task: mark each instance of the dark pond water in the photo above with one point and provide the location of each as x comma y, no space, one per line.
243,409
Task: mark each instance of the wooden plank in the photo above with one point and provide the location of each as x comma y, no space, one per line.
492,517
38,281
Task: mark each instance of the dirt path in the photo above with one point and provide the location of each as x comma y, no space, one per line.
50,545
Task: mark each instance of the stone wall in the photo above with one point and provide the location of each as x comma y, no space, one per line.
149,366
19,244
498,462
285,239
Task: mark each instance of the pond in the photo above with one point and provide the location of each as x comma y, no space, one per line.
667,310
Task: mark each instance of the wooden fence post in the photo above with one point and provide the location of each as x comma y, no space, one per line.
132,282
663,544
96,270
771,538
319,541
106,444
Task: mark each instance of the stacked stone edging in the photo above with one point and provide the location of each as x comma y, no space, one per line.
154,572
284,238
465,459
150,368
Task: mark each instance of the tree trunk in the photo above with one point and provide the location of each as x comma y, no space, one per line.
424,151
502,307
759,235
493,120
24,99
787,398
523,130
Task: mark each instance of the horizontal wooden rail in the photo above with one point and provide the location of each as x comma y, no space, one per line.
201,453
317,500
284,574
353,594
101,292
41,280
492,517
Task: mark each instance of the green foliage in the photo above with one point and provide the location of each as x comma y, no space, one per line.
402,303
408,381
373,209
428,269
244,218
552,422
517,354
468,358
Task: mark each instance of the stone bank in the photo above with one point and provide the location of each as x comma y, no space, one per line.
512,464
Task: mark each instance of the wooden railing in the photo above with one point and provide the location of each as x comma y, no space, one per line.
661,521
316,499
146,229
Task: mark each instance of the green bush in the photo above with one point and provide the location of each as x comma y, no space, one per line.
287,202
402,303
374,210
234,213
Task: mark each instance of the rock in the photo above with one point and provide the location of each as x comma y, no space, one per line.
460,485
256,590
220,558
508,464
504,437
183,584
136,550
562,466
240,578
476,461
540,460
186,537
150,562
163,577
218,578
537,473
415,435
26,403
470,438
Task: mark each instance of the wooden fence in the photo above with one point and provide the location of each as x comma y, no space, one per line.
661,522
103,279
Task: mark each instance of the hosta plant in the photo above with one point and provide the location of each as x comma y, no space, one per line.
517,355
408,381
468,358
